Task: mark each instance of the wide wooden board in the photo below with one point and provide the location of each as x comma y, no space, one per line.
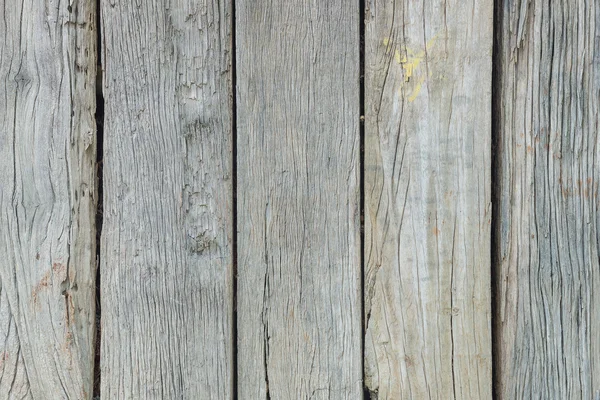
548,270
427,199
298,114
47,199
167,235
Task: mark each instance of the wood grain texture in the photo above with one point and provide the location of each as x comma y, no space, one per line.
299,308
427,199
166,241
548,280
47,199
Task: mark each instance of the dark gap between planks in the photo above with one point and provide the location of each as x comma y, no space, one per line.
495,188
99,214
99,210
234,239
361,50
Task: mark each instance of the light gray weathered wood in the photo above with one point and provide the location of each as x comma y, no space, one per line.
299,308
548,280
47,199
166,240
427,199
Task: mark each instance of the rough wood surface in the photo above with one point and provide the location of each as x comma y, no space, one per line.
47,199
299,308
166,240
427,199
548,345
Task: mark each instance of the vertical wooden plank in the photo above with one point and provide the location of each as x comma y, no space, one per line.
427,199
166,241
548,345
299,308
47,199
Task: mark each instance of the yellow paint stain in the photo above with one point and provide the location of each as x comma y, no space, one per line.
416,90
410,64
397,57
413,58
431,42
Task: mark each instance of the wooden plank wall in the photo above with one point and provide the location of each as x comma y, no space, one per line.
232,259
47,199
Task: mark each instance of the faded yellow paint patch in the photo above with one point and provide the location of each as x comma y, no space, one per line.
397,57
416,90
411,59
411,63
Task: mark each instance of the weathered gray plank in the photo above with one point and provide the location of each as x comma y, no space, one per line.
166,240
548,345
427,199
299,314
47,199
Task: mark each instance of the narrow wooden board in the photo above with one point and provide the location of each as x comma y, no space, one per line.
299,307
548,280
166,241
427,199
47,199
